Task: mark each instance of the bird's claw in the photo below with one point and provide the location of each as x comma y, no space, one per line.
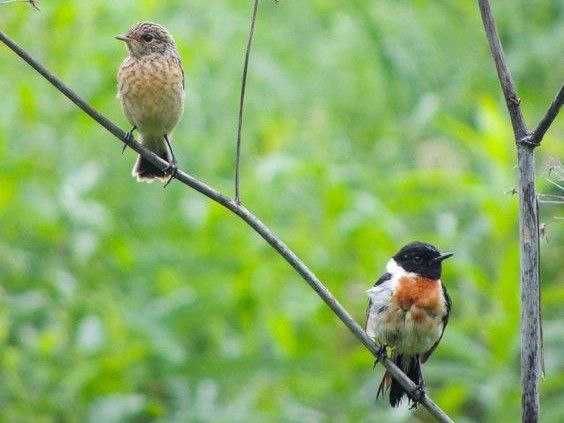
417,395
381,354
382,350
129,137
172,169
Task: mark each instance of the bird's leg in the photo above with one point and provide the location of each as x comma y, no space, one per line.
381,354
172,164
419,392
129,137
417,395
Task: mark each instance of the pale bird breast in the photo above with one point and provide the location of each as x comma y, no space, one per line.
151,92
151,78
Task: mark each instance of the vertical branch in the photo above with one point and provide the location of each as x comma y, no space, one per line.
529,239
242,101
531,339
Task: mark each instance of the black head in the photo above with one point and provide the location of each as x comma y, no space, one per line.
421,258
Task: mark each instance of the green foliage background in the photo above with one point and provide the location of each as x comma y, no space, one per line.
369,124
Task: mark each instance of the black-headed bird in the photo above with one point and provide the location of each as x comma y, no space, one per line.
408,310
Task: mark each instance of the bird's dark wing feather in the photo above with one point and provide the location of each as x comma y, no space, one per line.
183,77
385,277
448,302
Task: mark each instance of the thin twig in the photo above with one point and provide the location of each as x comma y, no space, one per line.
249,218
552,201
242,101
556,184
552,197
546,121
32,3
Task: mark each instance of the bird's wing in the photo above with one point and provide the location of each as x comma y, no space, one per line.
179,62
448,303
379,295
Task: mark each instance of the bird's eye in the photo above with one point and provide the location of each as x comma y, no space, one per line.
147,38
417,259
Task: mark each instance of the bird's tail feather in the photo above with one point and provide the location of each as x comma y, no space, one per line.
145,171
411,366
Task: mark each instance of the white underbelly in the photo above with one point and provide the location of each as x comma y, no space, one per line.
410,332
154,112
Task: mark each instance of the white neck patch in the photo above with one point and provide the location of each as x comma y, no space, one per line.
396,270
388,286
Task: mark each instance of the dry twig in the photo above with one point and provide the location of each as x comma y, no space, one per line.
32,3
242,101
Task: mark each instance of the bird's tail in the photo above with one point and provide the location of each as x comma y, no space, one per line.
144,170
411,366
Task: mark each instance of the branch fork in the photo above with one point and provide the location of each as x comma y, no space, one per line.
529,228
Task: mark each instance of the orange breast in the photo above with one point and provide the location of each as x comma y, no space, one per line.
423,293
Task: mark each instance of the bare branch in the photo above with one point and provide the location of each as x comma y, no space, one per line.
32,3
508,87
529,229
250,219
546,121
242,101
552,201
505,79
556,184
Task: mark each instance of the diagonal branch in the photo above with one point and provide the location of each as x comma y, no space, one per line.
546,121
250,219
522,136
508,87
242,101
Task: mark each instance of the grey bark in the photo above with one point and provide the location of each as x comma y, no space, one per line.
531,324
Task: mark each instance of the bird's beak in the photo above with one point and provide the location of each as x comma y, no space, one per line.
123,38
443,256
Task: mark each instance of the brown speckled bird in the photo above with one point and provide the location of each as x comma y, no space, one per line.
151,92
